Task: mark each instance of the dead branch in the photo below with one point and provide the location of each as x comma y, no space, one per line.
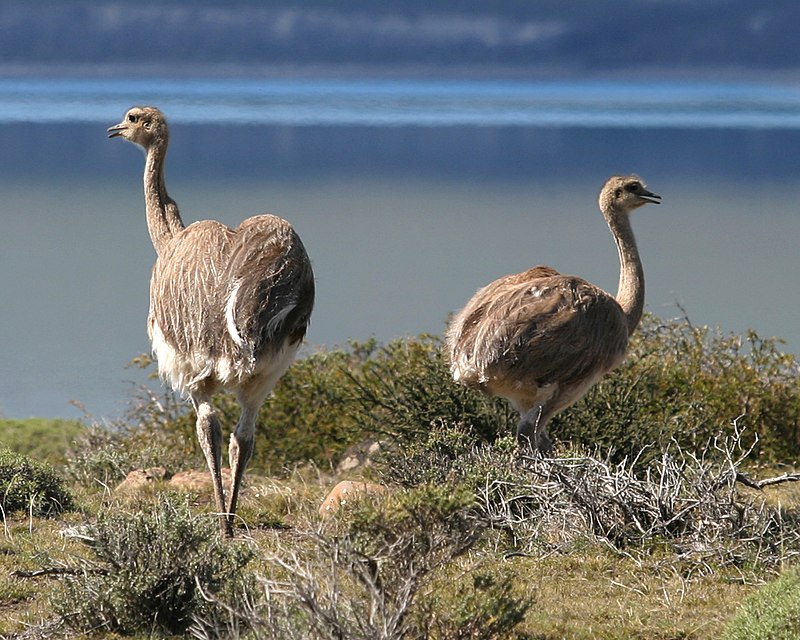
56,571
766,482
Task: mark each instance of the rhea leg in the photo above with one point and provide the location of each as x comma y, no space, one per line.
240,450
251,396
209,434
535,408
532,429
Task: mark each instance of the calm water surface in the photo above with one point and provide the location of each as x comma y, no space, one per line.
402,102
408,196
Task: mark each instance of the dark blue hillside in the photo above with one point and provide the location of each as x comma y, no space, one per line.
558,37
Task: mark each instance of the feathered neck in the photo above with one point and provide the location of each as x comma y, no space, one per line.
630,291
163,217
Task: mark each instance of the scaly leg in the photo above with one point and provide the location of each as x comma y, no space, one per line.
251,396
532,430
209,434
240,450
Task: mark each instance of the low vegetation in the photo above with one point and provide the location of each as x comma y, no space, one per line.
772,612
30,486
40,438
147,568
648,522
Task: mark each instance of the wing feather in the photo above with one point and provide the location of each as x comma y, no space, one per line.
275,283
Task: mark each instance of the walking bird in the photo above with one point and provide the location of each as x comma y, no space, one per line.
541,339
228,307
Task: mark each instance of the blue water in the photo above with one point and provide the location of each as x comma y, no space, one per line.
409,195
380,103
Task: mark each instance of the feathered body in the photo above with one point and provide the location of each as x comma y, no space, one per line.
541,339
228,307
225,303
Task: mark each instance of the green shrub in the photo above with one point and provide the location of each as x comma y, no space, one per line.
690,384
436,522
678,383
429,459
306,418
31,486
480,605
404,387
151,570
332,399
772,613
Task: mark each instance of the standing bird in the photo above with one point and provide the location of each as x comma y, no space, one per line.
541,339
228,307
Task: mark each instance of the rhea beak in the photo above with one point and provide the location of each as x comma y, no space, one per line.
648,196
116,130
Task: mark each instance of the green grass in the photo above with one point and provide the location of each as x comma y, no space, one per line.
772,613
596,594
40,438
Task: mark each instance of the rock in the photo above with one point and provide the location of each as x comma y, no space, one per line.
191,481
198,481
359,455
139,478
347,491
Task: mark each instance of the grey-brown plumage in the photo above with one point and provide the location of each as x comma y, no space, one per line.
541,339
228,307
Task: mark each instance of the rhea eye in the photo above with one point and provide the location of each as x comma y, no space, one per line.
633,187
617,193
131,118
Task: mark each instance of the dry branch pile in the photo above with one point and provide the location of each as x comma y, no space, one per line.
690,500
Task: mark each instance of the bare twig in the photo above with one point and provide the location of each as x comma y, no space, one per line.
686,497
56,571
766,482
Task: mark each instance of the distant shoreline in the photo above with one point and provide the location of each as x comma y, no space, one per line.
397,71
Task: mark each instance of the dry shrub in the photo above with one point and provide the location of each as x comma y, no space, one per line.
364,578
689,501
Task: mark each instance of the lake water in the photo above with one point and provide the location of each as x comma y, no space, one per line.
381,103
409,195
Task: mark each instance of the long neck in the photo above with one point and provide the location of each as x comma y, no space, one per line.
630,293
163,217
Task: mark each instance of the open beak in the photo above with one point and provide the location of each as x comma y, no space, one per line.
116,130
645,195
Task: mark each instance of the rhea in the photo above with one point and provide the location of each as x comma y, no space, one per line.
541,339
228,307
